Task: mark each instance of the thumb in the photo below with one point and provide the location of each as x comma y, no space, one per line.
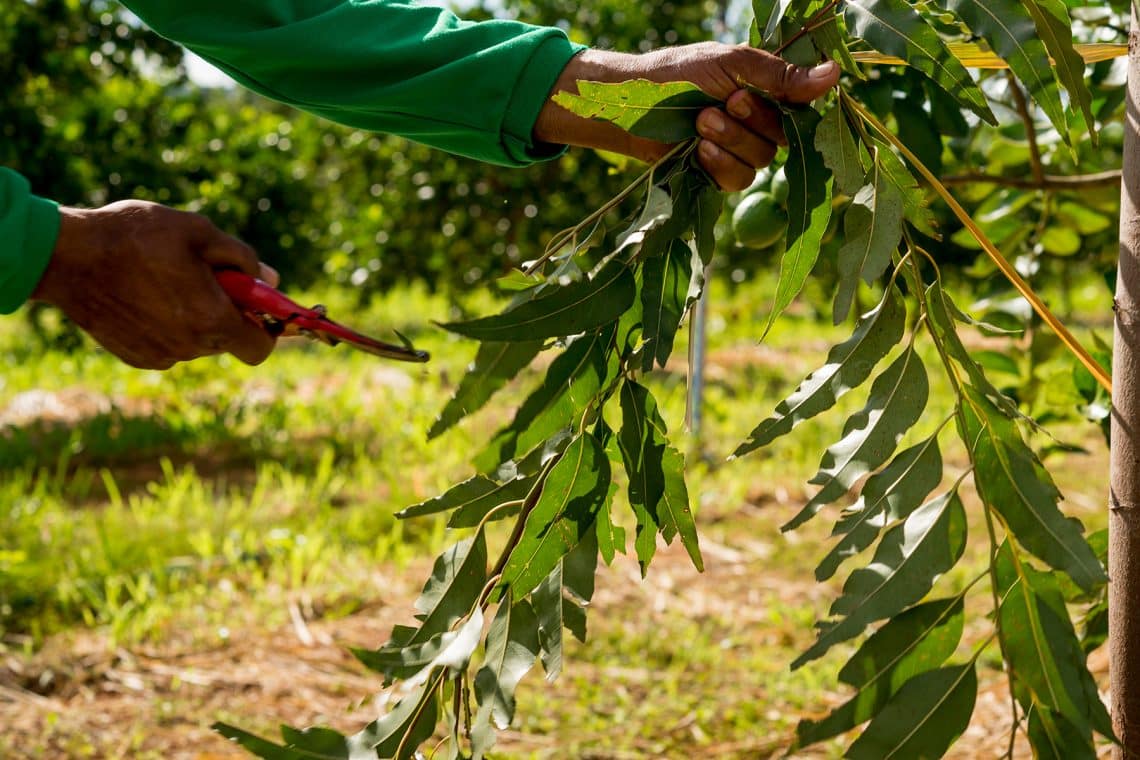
225,252
788,82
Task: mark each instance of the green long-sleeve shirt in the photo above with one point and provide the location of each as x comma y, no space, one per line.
384,65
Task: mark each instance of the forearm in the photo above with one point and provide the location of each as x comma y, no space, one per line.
470,88
29,226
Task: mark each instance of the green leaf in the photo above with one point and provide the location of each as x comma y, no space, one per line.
512,648
761,11
320,742
472,500
580,566
830,40
656,474
555,612
665,112
889,495
873,229
1012,483
450,649
923,719
611,537
574,491
382,738
915,205
848,366
1010,31
907,561
915,641
494,366
664,295
709,205
1041,645
1053,737
572,381
809,207
567,310
841,154
266,749
895,28
898,397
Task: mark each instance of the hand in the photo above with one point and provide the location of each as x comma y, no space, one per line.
737,139
139,278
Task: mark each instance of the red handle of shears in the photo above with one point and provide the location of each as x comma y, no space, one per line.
281,315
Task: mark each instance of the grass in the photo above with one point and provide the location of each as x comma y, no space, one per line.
183,511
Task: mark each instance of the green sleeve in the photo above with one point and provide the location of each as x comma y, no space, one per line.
393,66
28,229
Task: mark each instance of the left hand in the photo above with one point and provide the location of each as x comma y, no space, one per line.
737,139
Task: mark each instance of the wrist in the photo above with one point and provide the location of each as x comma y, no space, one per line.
75,241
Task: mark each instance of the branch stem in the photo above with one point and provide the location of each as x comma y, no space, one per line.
1110,178
1030,129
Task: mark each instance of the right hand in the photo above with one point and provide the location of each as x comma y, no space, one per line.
139,278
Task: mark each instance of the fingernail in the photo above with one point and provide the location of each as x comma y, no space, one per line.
709,151
823,71
739,108
714,121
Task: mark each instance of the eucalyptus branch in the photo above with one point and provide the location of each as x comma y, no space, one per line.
995,255
528,506
1030,129
1110,178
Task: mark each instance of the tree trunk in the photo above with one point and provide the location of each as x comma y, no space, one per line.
1124,488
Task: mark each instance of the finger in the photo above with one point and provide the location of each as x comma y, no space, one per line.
222,251
252,345
750,149
758,115
783,80
728,171
269,275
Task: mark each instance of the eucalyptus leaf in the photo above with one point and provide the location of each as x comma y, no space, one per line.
662,111
410,723
1053,737
841,154
848,365
913,642
574,491
809,207
889,495
923,719
894,27
873,227
897,400
664,296
471,499
908,559
494,366
1011,32
263,748
657,489
512,649
611,537
1012,483
566,310
573,379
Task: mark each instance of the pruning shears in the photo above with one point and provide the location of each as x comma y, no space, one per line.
280,316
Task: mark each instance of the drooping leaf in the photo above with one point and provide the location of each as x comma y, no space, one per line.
908,559
317,741
494,366
656,474
580,566
573,379
873,227
555,612
894,27
709,205
664,295
574,491
665,112
611,537
1053,737
915,204
923,719
761,11
898,397
1055,29
848,366
567,310
1009,29
831,40
450,649
512,648
410,723
916,641
450,594
809,207
266,749
1041,645
1012,483
889,495
472,500
841,154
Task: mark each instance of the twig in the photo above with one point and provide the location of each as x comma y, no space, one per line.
812,24
1030,129
1108,178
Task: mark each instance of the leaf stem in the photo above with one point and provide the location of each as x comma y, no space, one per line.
1110,178
995,255
809,26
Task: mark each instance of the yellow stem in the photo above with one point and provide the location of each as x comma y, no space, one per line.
1003,265
974,56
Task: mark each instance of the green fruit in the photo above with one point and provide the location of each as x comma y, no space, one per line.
759,221
779,186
